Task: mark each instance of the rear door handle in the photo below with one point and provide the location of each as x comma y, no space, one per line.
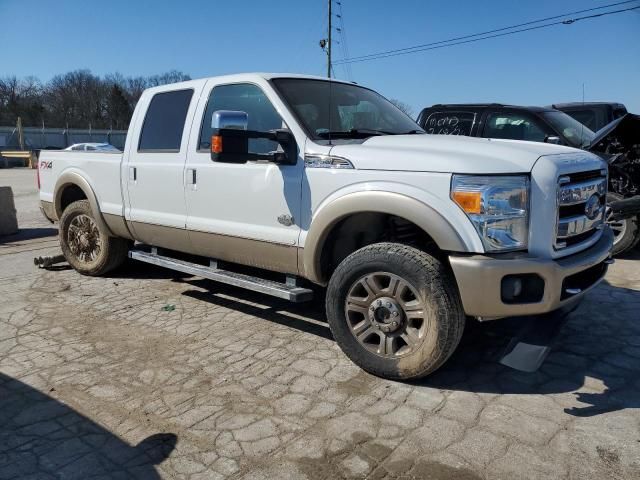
133,174
192,178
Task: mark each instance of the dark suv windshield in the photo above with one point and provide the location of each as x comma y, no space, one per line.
577,134
338,110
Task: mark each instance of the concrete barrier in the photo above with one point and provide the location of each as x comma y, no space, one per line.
8,219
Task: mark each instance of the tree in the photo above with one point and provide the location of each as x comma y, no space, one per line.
77,99
405,107
118,108
20,98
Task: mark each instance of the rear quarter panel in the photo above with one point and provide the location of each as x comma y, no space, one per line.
100,169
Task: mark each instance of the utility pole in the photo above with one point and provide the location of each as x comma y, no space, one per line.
329,42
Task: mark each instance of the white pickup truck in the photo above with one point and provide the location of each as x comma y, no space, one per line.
278,182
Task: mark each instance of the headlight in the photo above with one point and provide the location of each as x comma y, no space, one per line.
498,207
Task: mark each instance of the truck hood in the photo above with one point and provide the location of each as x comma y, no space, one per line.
446,154
619,136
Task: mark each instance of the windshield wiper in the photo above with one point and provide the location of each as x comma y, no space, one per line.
353,133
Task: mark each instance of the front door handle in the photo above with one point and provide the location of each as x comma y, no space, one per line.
133,174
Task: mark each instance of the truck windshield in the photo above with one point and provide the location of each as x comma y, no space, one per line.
577,134
333,110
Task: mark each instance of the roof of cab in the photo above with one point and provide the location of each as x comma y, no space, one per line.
240,77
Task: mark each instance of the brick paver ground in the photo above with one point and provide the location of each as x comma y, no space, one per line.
96,379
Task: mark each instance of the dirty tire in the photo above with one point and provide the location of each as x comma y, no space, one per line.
433,286
110,254
626,232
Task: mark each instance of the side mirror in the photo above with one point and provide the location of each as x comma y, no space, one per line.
229,119
230,140
552,139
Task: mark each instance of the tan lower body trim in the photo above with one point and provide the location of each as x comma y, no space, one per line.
117,225
161,236
253,253
48,210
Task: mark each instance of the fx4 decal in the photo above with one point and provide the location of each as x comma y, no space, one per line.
47,165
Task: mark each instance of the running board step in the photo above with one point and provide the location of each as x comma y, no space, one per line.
276,289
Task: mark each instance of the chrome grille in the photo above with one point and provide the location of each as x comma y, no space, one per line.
581,207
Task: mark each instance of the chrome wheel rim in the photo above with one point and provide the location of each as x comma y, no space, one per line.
83,238
618,227
385,314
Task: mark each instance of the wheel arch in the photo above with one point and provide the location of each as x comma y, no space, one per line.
68,188
330,215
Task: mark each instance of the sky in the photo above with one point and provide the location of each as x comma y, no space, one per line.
211,37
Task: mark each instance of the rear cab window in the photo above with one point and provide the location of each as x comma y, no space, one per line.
164,121
450,123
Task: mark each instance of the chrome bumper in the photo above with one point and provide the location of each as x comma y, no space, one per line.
479,279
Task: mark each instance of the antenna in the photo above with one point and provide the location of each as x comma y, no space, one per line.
582,127
329,42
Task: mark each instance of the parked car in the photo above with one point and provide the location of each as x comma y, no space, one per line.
316,181
594,115
544,124
92,147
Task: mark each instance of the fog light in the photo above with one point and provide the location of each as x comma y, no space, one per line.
511,287
523,288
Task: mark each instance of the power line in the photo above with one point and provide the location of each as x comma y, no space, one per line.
485,35
491,31
343,43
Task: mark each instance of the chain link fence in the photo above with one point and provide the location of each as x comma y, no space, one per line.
57,138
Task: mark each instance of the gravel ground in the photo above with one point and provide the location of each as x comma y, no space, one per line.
96,379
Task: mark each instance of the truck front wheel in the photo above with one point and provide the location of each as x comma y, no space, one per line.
626,232
88,249
395,311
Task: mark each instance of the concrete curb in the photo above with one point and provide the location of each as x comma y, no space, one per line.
8,219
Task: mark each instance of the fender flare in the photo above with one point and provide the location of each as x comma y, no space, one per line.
74,178
415,211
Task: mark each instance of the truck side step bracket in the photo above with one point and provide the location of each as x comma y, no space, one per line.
288,291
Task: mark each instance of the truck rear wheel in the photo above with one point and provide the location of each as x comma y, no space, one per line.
88,249
395,311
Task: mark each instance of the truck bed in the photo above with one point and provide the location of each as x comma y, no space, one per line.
101,170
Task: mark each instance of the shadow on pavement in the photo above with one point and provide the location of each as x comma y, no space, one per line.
28,234
601,348
41,437
586,346
264,307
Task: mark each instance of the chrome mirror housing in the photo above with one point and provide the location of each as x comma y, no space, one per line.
229,119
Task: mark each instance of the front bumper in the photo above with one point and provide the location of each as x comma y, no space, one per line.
480,279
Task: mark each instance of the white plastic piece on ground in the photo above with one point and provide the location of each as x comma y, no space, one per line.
526,357
8,218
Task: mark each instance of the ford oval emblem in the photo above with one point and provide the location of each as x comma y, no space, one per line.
592,207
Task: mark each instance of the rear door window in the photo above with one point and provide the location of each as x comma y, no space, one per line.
450,123
513,126
164,121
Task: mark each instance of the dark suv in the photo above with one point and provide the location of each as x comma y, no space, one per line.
618,143
493,120
594,115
